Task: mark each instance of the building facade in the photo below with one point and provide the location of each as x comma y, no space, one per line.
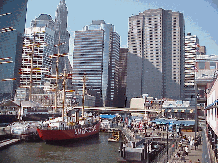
212,119
156,54
207,68
191,52
61,36
41,33
120,99
11,43
96,56
202,50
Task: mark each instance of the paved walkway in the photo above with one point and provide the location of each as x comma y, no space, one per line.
193,154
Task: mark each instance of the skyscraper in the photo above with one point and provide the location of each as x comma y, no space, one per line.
156,54
61,36
42,33
96,55
191,51
11,43
120,97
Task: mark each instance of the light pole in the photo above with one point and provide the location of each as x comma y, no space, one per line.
167,142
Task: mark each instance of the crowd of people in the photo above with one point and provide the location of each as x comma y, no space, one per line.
185,146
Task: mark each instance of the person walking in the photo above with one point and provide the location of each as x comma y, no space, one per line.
186,150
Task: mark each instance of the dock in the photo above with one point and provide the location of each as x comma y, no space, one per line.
138,147
8,142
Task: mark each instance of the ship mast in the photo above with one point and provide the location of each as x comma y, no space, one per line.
83,100
31,68
56,84
64,84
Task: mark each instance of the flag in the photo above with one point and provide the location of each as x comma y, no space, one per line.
195,68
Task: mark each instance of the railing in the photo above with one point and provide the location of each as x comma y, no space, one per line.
68,127
163,156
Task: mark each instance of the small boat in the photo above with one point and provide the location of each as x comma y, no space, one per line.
115,137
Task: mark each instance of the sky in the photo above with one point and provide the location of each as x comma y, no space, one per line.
201,16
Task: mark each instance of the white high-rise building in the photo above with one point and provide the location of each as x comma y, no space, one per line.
42,33
191,51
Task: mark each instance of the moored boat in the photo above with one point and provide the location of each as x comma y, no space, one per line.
115,137
56,129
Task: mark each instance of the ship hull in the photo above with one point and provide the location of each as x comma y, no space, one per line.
52,135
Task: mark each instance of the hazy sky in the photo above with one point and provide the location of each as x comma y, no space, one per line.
201,16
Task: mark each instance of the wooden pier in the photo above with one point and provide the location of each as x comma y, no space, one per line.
8,142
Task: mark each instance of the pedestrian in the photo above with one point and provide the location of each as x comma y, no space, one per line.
198,161
186,150
196,144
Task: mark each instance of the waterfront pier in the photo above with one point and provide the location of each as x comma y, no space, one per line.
138,146
8,142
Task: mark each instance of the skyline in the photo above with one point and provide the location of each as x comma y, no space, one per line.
198,16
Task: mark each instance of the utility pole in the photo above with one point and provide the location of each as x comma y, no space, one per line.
167,144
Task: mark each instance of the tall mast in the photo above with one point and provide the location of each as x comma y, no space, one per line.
83,100
31,68
56,84
64,83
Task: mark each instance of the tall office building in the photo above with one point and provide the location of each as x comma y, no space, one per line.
11,43
120,98
42,33
61,36
96,55
191,51
156,54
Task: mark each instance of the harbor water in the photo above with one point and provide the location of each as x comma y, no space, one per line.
93,150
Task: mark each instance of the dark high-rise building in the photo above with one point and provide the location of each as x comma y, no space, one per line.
61,36
156,54
96,55
11,43
120,97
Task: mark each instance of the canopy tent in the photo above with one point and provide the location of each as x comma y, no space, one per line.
106,116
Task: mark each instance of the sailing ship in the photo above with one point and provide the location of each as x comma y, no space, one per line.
69,127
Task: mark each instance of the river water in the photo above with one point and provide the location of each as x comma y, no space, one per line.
92,150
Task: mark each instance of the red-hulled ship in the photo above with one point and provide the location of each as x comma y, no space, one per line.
56,130
69,128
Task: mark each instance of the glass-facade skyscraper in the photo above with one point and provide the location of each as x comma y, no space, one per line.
96,55
11,43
